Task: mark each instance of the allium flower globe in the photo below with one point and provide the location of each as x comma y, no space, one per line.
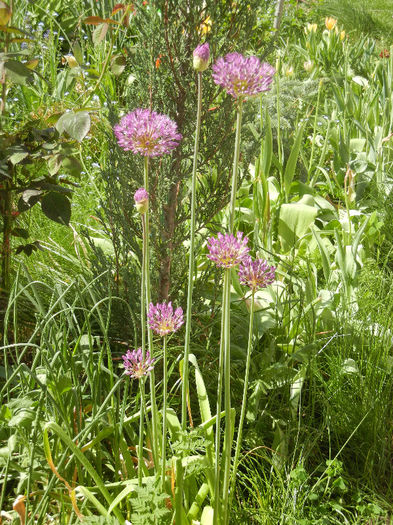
163,320
242,76
256,274
134,364
227,250
147,132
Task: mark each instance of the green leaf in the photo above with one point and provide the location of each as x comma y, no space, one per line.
294,221
18,157
5,13
207,515
20,232
78,53
292,161
17,72
72,166
99,33
76,125
56,207
118,64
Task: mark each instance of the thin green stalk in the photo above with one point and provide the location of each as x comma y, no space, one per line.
227,397
164,408
191,264
154,414
217,465
143,326
141,421
244,402
279,149
235,169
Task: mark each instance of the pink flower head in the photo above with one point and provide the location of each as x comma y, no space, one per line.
147,132
256,274
227,250
134,364
201,56
141,198
242,76
162,319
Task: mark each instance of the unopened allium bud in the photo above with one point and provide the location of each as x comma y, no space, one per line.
141,199
201,56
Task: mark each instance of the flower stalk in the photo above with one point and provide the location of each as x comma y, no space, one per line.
191,263
154,414
164,409
244,401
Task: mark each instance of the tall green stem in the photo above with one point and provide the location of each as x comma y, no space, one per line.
244,402
235,168
217,462
143,326
164,393
191,264
154,415
141,421
227,397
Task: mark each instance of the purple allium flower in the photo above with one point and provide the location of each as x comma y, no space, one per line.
134,364
201,56
242,76
227,250
141,198
256,274
162,319
147,132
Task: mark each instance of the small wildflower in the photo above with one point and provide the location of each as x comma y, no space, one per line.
141,198
342,35
158,61
147,132
242,76
206,26
227,250
330,23
256,274
384,53
308,66
162,319
201,56
134,364
288,71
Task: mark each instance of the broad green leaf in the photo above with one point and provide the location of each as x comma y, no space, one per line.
78,53
325,258
294,221
17,72
56,207
18,157
118,64
76,125
207,515
5,13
